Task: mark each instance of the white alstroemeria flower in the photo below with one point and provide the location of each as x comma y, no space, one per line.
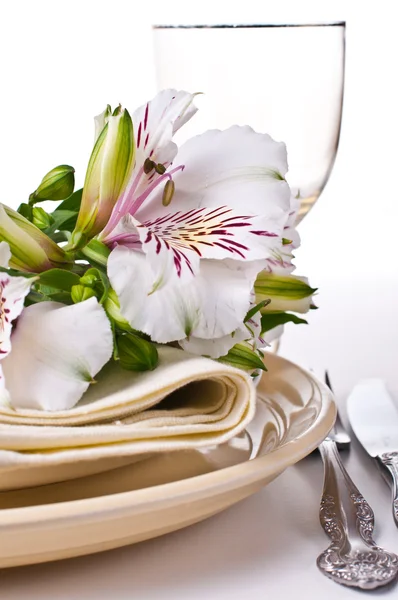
281,260
195,235
51,354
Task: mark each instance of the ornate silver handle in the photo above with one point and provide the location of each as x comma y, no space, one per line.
390,461
352,558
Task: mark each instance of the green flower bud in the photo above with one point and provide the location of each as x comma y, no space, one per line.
40,218
88,280
26,210
58,184
31,249
101,120
80,293
288,292
112,309
108,172
136,354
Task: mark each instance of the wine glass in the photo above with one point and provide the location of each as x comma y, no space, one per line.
285,80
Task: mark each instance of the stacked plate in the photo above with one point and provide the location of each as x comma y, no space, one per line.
123,499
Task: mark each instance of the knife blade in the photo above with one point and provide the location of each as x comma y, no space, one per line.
374,420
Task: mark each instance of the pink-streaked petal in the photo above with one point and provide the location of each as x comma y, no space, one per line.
205,233
13,291
157,121
281,259
236,167
211,305
154,125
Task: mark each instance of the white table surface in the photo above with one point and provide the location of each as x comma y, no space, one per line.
265,546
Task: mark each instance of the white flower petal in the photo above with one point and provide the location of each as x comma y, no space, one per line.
57,350
13,291
216,347
280,262
4,395
237,167
157,121
210,305
273,334
154,126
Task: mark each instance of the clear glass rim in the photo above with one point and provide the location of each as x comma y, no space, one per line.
249,25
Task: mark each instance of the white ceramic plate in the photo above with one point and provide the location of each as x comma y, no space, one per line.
168,491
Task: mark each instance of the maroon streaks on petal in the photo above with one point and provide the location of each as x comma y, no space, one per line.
245,217
146,116
237,225
235,244
219,215
265,233
195,249
158,244
205,243
139,135
146,140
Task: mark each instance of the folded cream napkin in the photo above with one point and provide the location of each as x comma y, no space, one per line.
188,401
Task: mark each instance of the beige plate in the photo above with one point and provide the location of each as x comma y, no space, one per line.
168,491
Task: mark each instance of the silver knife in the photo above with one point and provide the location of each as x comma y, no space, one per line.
374,419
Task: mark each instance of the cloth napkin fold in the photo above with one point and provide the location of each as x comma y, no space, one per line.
188,401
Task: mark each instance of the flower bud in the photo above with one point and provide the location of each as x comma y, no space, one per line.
80,293
58,184
112,309
135,353
31,249
26,210
101,120
40,218
287,293
88,280
107,175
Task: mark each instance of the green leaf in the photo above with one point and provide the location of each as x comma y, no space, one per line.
63,220
72,203
288,287
243,357
58,279
256,309
135,353
63,297
271,320
17,273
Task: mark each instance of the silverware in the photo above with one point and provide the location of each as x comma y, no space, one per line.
352,558
374,419
341,436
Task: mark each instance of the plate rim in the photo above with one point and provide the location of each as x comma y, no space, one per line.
235,476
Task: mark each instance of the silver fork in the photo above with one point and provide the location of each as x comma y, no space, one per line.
352,558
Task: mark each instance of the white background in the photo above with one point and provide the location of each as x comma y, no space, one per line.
60,63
